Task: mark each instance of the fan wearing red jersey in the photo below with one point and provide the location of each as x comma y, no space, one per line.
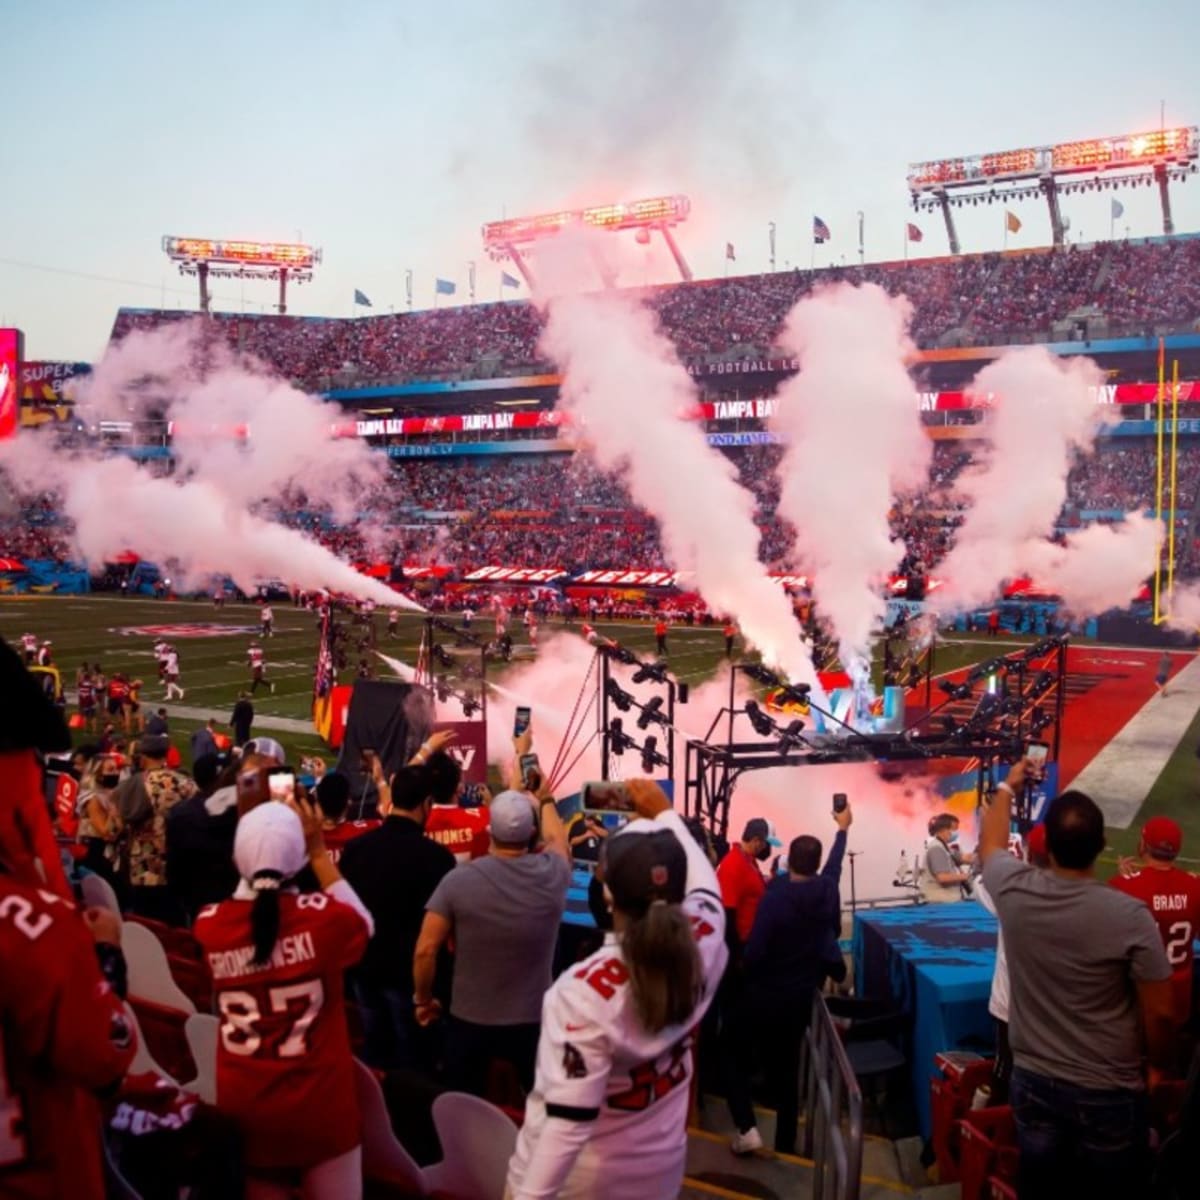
465,832
1173,898
333,798
64,1035
285,1072
608,1113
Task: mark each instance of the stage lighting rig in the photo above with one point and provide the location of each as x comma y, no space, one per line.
656,671
651,758
956,691
618,740
441,689
470,705
620,698
763,725
652,713
789,693
789,738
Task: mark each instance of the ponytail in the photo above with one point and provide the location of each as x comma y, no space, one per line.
665,975
264,915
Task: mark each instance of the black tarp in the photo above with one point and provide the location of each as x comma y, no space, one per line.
387,716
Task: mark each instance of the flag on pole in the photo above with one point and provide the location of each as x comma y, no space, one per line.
914,233
507,280
1118,210
445,287
1012,222
729,254
361,298
323,677
820,231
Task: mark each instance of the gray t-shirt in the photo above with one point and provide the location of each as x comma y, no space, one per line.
940,859
506,913
1076,950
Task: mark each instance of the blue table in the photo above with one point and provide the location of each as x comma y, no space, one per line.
935,963
578,913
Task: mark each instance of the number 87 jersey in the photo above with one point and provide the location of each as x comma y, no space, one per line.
284,1066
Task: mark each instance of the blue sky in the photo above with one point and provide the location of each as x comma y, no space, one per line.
388,133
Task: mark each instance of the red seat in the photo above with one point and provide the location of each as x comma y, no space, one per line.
179,942
987,1135
194,980
163,1030
951,1094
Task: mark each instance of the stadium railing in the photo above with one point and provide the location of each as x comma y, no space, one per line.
833,1128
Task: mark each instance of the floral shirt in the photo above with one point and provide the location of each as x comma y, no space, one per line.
144,802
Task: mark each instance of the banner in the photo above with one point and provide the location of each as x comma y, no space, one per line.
469,748
10,366
49,380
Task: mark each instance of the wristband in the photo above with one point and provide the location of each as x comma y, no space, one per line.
1008,787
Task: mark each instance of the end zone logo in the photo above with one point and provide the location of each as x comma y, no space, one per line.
185,631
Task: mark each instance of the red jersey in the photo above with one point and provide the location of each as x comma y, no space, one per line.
118,689
463,831
65,1034
1173,898
742,887
256,659
86,693
284,1066
346,831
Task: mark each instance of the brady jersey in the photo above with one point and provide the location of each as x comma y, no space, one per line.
463,831
620,1094
1173,898
344,832
284,1068
64,1034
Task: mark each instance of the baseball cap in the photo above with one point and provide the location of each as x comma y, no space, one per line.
154,745
640,868
268,748
1162,837
269,838
511,817
759,827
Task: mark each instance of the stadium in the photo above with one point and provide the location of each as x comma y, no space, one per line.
915,540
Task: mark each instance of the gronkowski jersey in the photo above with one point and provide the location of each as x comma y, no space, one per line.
337,838
65,1034
463,831
608,1113
1173,898
284,1067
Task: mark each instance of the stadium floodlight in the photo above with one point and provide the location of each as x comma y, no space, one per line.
510,239
227,259
1161,156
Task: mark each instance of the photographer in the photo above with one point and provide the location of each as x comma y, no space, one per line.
946,866
503,912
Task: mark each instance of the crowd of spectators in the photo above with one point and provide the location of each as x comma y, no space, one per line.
984,298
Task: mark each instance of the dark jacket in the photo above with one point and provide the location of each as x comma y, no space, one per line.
793,945
394,870
200,834
241,720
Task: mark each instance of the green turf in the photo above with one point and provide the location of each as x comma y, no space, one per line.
88,628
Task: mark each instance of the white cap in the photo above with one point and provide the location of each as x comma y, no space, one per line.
269,838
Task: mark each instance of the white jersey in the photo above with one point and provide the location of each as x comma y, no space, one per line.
266,616
160,651
607,1118
172,663
29,642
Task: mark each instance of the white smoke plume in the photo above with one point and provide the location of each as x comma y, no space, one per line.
621,378
1043,414
211,517
855,441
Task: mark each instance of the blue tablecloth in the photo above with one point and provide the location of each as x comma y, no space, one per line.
578,913
934,962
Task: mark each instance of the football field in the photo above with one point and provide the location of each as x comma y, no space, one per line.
1109,689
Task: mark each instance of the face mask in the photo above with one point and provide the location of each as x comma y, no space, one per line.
954,838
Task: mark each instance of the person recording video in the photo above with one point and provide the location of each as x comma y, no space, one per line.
947,866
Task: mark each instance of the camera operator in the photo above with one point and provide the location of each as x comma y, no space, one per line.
947,867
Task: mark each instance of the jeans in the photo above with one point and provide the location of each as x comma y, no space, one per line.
471,1049
1077,1141
388,1025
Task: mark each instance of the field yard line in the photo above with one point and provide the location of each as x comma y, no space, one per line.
190,712
1120,777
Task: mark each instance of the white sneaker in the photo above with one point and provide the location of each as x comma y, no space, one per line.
748,1142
